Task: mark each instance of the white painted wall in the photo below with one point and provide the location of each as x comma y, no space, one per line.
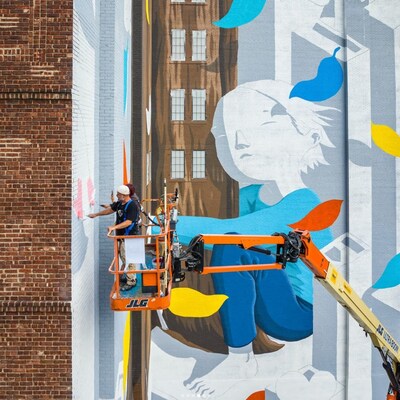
84,171
101,124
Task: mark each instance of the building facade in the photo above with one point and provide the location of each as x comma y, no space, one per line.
35,184
194,64
65,123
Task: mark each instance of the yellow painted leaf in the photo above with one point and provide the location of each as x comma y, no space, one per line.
127,341
148,11
186,302
386,139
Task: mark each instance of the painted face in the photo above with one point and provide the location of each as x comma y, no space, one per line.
263,142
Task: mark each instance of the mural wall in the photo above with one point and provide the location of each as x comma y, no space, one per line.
309,133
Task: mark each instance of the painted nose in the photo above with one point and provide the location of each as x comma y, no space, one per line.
241,142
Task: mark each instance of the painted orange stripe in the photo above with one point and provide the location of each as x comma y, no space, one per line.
125,177
238,268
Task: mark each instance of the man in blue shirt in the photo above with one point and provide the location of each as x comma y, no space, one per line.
126,224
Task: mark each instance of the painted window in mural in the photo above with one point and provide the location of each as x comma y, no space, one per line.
177,164
198,1
199,45
178,37
148,167
177,104
177,1
199,104
199,164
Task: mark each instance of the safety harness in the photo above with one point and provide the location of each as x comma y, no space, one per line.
134,225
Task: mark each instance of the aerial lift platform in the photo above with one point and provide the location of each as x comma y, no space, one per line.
153,266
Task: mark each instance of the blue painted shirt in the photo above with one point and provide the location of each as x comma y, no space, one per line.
258,218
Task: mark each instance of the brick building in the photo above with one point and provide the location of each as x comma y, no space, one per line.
35,190
64,122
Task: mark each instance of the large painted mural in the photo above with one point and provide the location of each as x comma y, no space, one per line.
310,135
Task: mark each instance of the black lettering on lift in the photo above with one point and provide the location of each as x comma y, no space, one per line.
135,303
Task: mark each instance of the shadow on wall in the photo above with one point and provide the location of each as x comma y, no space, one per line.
86,9
81,247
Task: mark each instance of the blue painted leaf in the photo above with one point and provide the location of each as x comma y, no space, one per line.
391,275
240,13
126,54
325,85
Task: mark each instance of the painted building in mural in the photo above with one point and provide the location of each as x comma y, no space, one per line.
194,64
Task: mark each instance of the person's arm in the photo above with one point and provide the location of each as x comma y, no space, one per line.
106,211
122,225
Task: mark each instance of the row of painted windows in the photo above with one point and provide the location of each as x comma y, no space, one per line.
178,104
199,42
178,164
178,53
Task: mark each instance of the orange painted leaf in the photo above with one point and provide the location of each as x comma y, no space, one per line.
321,217
257,396
125,178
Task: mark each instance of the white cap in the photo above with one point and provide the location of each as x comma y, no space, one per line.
123,190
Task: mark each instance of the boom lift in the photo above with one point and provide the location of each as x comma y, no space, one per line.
289,247
153,291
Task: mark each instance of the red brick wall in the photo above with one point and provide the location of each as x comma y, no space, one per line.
36,46
35,199
35,351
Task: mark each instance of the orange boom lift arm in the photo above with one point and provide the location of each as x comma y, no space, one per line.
298,245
